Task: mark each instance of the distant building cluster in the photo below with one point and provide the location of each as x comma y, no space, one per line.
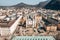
29,22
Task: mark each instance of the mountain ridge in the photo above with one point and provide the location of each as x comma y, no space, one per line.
27,5
53,4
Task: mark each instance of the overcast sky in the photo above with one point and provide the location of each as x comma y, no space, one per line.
13,2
